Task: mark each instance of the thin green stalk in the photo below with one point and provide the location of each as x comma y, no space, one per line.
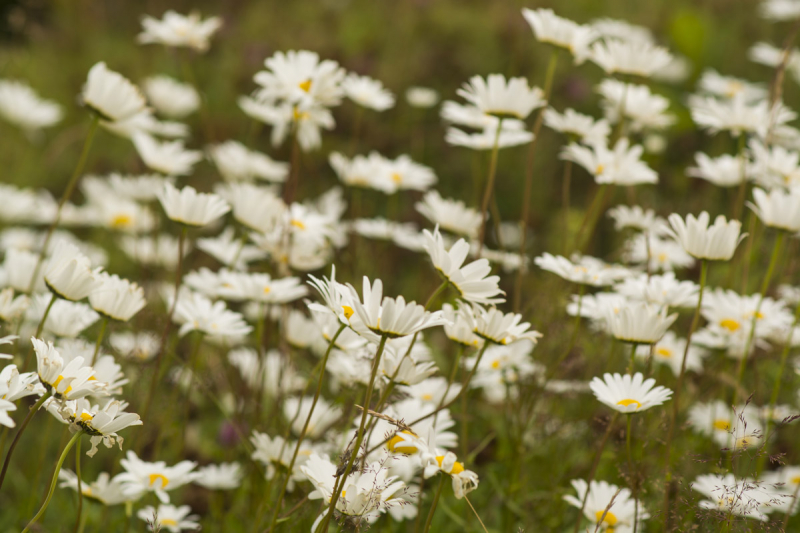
453,371
528,187
565,193
359,438
764,287
595,464
677,395
594,206
634,481
487,193
740,196
632,363
53,482
305,428
435,502
21,429
73,181
80,488
100,336
39,329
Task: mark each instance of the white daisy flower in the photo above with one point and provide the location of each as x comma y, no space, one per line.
550,28
624,57
169,517
171,97
612,509
169,158
187,206
68,273
367,92
629,394
778,208
112,96
20,105
116,298
716,242
141,477
499,97
178,30
237,163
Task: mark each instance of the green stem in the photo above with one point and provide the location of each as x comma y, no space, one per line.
39,329
435,502
764,287
305,428
22,427
359,438
53,482
632,363
100,336
80,488
678,387
452,376
487,193
634,481
740,196
589,216
73,181
565,190
595,464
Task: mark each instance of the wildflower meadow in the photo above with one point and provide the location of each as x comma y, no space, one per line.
423,266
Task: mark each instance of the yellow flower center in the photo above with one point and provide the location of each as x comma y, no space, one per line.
57,381
722,424
348,311
457,467
734,87
427,397
664,352
609,519
599,169
795,480
167,522
397,178
662,257
156,477
496,364
628,401
397,439
266,290
85,417
299,115
297,224
730,324
306,85
121,221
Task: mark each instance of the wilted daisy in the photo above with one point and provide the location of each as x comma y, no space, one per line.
558,31
621,57
502,98
607,506
237,163
112,96
169,158
367,92
68,273
716,242
169,517
179,30
170,97
21,106
472,281
190,207
629,394
116,298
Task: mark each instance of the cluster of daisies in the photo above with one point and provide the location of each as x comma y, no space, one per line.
236,304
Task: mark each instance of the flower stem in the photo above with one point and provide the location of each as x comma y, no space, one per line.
100,336
359,438
751,335
435,502
634,482
632,363
22,427
565,190
589,219
305,428
39,329
677,396
487,193
595,464
80,488
73,181
53,482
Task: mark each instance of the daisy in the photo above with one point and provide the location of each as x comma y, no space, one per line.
620,57
360,171
169,517
224,476
102,424
197,313
19,267
422,97
21,106
595,274
621,165
296,411
773,165
112,96
141,188
637,218
737,115
169,158
450,215
258,287
778,208
472,281
14,385
501,98
228,250
663,290
300,78
622,30
550,28
12,308
607,506
68,273
367,92
179,30
187,206
661,254
572,123
154,252
731,428
639,322
629,394
105,489
272,452
438,461
389,317
723,171
741,497
116,298
268,372
713,83
403,173
144,123
497,327
669,351
141,477
488,138
778,10
716,242
139,346
643,109
285,117
237,163
65,381
66,319
170,97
